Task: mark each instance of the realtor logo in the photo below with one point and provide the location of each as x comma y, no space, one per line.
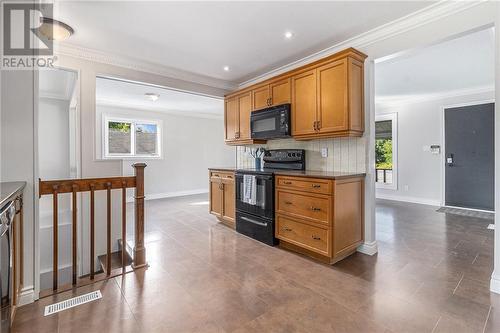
23,46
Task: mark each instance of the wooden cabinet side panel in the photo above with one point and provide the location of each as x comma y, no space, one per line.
231,118
304,103
229,201
356,95
333,107
245,108
281,92
348,215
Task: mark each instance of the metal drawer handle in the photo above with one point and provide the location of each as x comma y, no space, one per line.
287,183
315,209
287,229
253,221
316,186
288,202
316,237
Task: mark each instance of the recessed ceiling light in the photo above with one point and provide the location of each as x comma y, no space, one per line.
152,96
54,30
288,35
226,68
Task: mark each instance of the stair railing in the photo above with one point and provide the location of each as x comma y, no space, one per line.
74,186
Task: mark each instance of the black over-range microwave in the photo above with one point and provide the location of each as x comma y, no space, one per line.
271,123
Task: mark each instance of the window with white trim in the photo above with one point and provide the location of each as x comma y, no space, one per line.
386,151
131,138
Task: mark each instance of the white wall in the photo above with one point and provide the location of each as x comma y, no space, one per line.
190,146
421,124
18,149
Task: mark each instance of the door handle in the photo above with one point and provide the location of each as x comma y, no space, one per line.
288,203
286,229
315,209
316,237
314,126
316,186
449,160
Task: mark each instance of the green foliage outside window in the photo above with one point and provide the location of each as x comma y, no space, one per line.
122,127
383,153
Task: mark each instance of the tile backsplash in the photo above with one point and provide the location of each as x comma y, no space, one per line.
344,154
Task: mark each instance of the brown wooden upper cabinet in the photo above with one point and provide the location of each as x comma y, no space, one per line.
275,93
237,119
327,99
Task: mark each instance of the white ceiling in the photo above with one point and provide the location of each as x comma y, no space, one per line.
464,63
203,37
131,95
56,84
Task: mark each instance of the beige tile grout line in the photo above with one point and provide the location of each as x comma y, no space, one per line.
486,321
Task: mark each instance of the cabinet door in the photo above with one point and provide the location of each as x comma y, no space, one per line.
231,119
260,97
216,198
304,103
280,92
245,107
228,201
333,106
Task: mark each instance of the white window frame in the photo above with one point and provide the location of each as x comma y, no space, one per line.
133,121
394,118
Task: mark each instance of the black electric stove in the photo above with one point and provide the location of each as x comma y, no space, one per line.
257,220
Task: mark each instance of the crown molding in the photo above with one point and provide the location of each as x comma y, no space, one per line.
395,101
183,113
409,22
108,58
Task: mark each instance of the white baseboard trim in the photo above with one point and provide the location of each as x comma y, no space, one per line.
155,196
370,248
416,200
495,283
27,295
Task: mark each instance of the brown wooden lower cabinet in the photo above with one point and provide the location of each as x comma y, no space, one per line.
222,196
321,218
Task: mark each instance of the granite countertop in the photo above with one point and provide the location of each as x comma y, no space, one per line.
303,173
224,169
10,190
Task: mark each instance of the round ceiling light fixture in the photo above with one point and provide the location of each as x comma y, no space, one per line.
152,96
288,35
54,29
226,68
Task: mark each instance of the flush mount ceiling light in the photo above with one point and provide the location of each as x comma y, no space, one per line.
152,96
288,35
226,68
55,30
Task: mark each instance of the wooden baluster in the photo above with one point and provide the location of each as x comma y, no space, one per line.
92,231
139,249
55,227
124,225
108,235
74,206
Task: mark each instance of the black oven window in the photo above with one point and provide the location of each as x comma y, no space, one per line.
263,125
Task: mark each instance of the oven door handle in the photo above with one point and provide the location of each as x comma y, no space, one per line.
253,221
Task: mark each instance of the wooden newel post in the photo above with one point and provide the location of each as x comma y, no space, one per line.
139,249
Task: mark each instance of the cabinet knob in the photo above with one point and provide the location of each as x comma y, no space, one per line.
316,186
288,203
287,229
315,209
316,237
287,183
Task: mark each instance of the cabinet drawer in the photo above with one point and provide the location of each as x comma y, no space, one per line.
222,174
313,207
304,235
312,185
